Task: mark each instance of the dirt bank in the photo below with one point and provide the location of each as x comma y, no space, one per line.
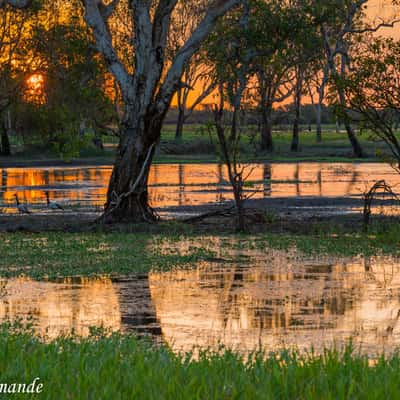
292,215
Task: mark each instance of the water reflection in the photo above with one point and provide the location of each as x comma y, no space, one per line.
281,302
191,184
271,298
58,308
76,305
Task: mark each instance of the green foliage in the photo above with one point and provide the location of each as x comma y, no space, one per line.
123,367
372,90
68,143
71,98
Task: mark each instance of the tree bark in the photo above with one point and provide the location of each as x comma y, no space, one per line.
297,103
234,125
321,97
355,144
241,224
295,139
267,143
179,124
5,142
147,93
319,122
127,196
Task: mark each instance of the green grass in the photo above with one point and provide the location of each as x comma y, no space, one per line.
337,243
122,367
51,255
335,147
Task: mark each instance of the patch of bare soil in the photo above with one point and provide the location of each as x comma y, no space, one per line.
284,215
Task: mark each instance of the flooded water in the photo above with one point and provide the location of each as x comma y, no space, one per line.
173,185
270,298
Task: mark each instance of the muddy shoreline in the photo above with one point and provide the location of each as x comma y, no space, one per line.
291,215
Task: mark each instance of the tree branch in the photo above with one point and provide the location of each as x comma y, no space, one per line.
219,8
107,10
162,20
96,16
376,28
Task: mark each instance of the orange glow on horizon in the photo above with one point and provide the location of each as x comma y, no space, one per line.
377,10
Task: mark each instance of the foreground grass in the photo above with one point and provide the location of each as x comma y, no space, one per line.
122,367
56,254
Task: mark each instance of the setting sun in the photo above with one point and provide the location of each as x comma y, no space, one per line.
35,81
35,88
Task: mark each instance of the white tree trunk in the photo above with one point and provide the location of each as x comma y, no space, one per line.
146,95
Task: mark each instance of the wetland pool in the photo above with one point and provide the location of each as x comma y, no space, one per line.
243,299
173,186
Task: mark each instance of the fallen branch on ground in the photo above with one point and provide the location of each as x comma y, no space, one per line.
217,213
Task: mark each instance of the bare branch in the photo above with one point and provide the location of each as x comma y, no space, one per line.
107,10
162,20
376,28
210,88
219,8
96,16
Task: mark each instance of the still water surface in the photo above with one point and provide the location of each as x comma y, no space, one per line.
173,185
270,298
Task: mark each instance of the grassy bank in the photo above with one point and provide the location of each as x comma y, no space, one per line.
196,146
58,254
121,367
52,255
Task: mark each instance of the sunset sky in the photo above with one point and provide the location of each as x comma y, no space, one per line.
377,9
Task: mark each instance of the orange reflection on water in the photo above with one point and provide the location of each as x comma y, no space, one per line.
270,298
277,299
173,185
56,309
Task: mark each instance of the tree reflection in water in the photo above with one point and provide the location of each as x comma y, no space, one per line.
176,185
243,298
278,299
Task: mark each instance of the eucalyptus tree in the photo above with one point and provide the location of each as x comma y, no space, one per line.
290,45
274,64
337,22
372,92
305,48
273,87
70,98
317,82
197,82
233,50
147,89
16,61
336,26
